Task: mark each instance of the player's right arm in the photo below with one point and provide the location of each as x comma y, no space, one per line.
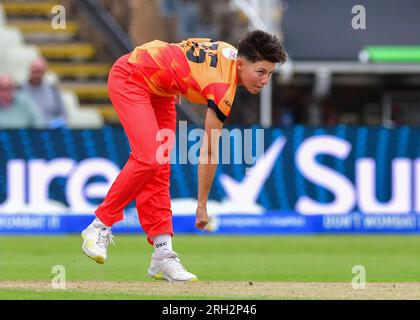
209,158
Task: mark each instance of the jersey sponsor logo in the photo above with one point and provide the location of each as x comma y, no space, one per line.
230,53
227,103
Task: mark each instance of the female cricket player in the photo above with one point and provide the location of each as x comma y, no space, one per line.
143,86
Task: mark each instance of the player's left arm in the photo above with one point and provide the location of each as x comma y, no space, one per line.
219,98
209,158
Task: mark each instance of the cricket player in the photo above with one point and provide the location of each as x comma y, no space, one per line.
143,86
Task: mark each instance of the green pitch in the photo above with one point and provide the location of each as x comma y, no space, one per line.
213,258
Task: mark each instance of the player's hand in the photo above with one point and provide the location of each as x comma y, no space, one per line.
178,100
201,217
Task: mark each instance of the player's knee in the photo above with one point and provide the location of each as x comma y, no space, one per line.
150,162
154,165
157,162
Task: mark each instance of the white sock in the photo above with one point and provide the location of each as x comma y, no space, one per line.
162,242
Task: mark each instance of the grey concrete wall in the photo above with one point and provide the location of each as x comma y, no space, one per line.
322,29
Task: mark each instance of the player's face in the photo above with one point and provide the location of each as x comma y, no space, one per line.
254,75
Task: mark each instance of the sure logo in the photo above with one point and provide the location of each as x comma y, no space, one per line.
28,184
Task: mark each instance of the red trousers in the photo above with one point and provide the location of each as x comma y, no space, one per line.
144,177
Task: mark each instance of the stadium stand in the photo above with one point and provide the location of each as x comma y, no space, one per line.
10,36
2,15
26,33
77,117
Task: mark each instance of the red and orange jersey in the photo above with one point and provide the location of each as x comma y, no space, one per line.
202,70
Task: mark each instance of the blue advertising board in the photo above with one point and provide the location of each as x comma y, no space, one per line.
295,180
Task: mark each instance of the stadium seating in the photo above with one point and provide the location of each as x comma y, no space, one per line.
10,36
27,34
15,60
80,117
2,15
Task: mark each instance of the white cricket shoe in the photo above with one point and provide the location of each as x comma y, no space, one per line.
167,266
96,240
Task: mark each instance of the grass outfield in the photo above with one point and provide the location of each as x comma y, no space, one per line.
237,267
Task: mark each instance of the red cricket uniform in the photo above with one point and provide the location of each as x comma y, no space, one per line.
142,86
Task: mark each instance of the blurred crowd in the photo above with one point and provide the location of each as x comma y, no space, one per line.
39,104
33,104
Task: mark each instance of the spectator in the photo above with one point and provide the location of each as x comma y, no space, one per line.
17,110
46,96
331,115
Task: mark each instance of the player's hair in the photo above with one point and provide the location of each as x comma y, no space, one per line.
259,45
